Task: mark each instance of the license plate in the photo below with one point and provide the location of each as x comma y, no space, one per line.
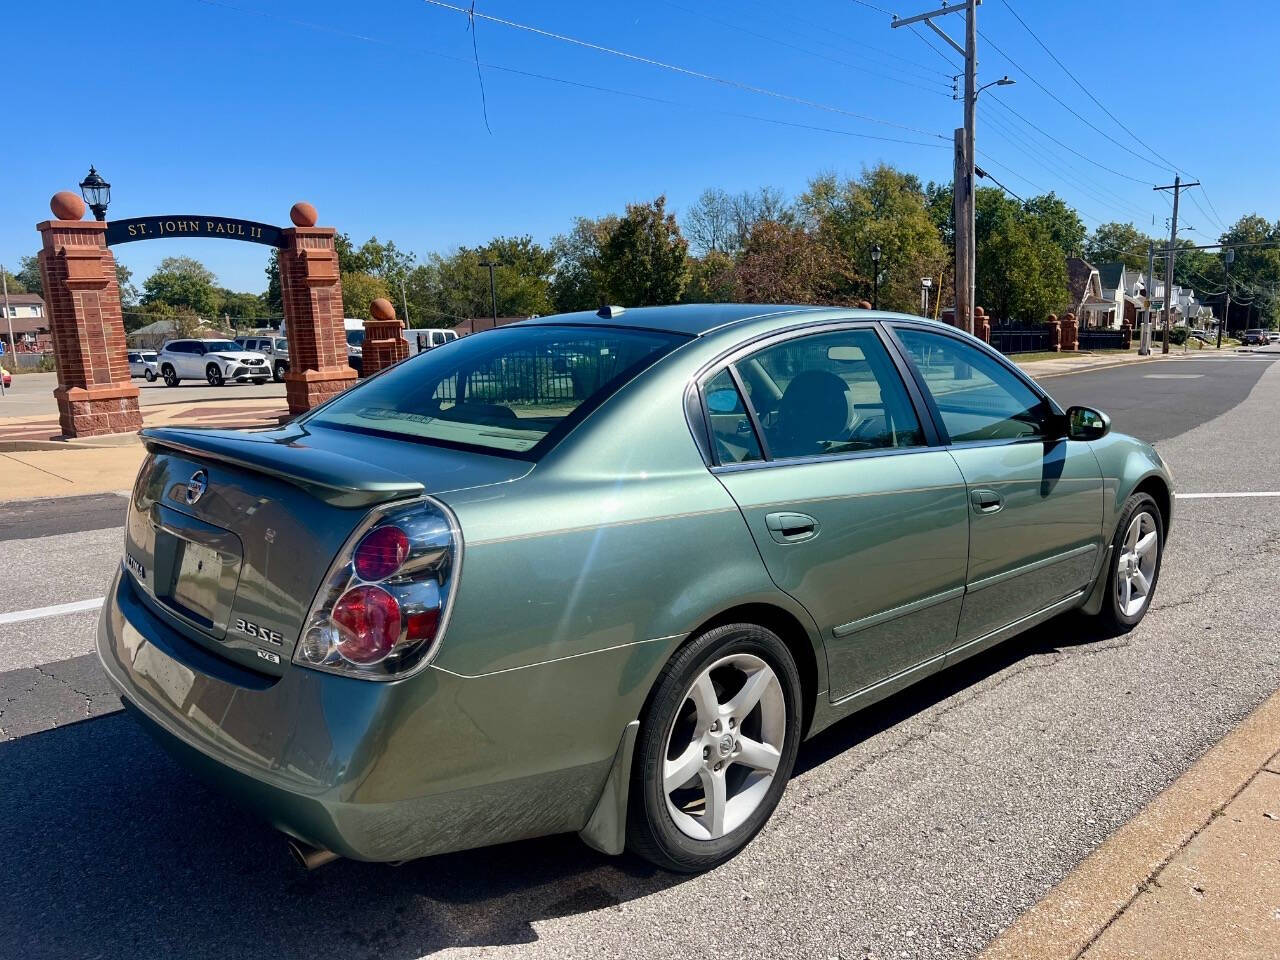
199,574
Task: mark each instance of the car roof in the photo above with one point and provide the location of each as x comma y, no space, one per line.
699,319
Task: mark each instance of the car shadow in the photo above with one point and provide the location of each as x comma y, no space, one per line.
110,850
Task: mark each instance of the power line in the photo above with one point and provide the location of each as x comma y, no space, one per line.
322,28
1065,146
1087,93
675,68
1062,103
812,53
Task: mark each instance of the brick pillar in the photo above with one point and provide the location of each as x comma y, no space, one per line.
1055,332
383,344
981,325
311,286
95,395
1070,332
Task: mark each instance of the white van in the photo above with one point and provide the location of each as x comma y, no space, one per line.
420,341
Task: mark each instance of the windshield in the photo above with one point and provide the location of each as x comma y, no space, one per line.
221,346
513,391
148,355
355,337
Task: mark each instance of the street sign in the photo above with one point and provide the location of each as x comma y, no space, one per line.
192,225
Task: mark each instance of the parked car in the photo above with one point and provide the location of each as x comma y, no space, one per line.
216,361
471,604
6,377
1273,337
144,363
421,341
271,345
1254,338
355,343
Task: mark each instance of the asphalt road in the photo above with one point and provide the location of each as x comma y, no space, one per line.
918,828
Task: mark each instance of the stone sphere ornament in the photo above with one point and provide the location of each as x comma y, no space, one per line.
66,205
382,309
303,214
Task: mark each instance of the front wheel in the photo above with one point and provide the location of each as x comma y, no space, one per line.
1136,553
213,375
151,376
717,745
170,376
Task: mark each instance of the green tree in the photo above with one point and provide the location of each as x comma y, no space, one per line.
1063,223
579,280
709,223
124,280
1111,242
359,290
1255,273
1021,273
29,274
711,279
274,297
241,310
15,285
182,282
883,207
643,260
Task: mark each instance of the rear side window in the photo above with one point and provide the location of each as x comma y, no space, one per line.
976,396
731,428
514,390
829,393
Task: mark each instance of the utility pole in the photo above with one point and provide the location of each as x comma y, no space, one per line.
963,178
1227,258
493,290
4,284
1177,187
1144,342
404,302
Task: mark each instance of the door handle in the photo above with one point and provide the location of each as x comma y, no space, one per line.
791,527
985,501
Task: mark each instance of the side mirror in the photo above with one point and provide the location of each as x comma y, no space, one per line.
1085,423
723,401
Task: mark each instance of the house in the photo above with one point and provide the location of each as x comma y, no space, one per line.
476,324
1084,289
1185,309
29,321
1124,289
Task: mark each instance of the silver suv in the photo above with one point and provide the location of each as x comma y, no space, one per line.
274,348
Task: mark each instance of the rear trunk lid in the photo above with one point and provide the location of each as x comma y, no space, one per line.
230,533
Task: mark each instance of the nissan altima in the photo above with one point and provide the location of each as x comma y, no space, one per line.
603,572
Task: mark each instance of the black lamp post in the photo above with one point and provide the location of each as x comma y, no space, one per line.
96,193
875,277
493,288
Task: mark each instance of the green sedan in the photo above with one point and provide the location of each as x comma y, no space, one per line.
603,572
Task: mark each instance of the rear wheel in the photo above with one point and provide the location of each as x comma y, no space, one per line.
213,375
278,372
150,375
1136,553
717,745
170,375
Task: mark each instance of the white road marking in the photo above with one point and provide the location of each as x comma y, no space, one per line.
57,610
1227,496
1173,376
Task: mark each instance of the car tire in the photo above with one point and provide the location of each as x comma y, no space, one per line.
277,372
726,756
170,376
150,376
213,375
1127,600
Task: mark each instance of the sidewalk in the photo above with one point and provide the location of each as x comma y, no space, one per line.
230,413
1066,363
1196,874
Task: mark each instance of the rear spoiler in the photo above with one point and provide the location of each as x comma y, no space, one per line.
342,481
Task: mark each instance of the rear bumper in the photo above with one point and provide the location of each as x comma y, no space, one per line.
371,771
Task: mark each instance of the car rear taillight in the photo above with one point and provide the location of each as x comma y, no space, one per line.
383,606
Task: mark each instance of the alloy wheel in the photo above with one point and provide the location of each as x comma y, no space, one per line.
1136,565
724,746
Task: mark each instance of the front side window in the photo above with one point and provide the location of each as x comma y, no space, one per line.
507,391
829,393
219,346
977,397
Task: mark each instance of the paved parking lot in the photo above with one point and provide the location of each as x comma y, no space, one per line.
919,828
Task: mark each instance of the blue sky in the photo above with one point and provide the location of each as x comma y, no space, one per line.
215,108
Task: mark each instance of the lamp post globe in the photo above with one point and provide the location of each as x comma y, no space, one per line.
96,193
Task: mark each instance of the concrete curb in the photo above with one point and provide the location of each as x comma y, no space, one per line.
1071,918
97,443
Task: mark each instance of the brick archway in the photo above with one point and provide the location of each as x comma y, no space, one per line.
95,394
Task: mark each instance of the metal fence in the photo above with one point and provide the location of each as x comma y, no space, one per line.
1020,339
534,379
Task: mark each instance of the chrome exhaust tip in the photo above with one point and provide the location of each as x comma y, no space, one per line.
309,857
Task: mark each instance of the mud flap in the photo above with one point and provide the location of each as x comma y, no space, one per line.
606,831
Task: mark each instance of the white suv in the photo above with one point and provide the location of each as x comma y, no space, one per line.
216,361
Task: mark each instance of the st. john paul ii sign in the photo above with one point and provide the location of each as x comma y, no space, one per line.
190,225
